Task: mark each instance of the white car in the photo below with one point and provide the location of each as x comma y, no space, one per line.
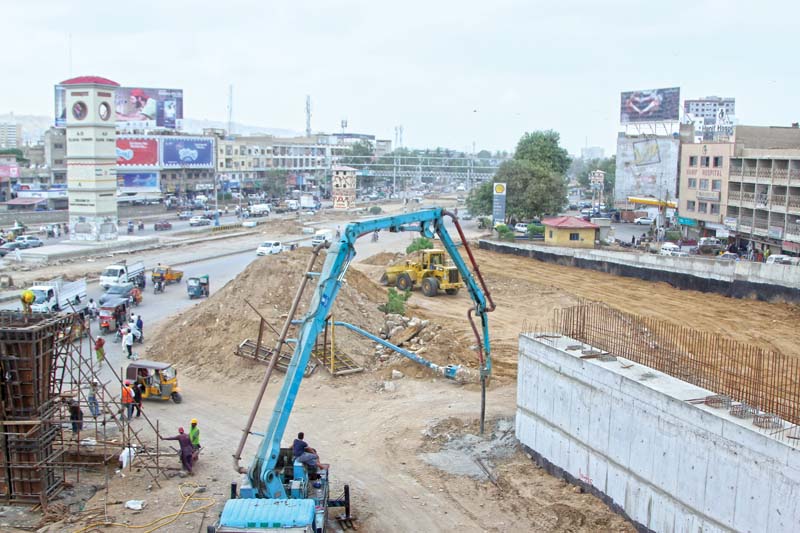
269,248
521,227
643,221
669,248
199,221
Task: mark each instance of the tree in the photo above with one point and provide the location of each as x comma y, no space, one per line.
541,148
479,199
580,170
274,184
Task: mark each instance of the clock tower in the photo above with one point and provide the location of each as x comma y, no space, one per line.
91,158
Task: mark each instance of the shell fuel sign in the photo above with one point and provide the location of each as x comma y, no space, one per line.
499,203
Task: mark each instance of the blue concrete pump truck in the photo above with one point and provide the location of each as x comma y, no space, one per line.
279,493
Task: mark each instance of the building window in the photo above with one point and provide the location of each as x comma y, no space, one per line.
715,209
716,185
692,160
692,183
551,234
703,184
702,207
705,161
574,236
690,205
717,161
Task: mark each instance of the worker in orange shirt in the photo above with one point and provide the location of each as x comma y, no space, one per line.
127,400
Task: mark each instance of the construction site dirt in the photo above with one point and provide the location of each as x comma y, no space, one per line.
407,442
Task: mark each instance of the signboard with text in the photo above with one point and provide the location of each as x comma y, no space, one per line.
499,203
136,182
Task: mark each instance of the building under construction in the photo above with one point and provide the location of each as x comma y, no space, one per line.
46,370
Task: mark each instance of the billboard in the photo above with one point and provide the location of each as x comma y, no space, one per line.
651,105
187,152
136,108
134,182
137,152
646,167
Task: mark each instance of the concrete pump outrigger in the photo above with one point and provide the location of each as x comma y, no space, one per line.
277,492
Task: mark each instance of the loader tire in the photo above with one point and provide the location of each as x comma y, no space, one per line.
404,282
430,287
384,279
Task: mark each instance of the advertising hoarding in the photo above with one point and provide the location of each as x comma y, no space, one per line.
137,152
9,171
499,203
136,107
187,152
651,105
135,182
646,168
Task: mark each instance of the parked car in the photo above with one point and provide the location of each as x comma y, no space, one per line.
779,259
10,247
646,221
162,225
29,241
185,215
465,215
521,227
269,248
728,256
199,221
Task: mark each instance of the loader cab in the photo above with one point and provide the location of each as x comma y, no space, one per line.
433,258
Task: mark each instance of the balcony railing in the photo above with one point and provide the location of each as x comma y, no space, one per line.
780,173
794,203
794,174
748,197
792,228
734,196
749,173
778,201
764,172
761,223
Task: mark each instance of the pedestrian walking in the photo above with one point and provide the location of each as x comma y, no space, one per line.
94,406
186,449
137,399
127,401
76,417
140,324
127,340
99,349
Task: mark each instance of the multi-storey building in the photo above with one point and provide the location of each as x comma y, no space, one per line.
10,135
703,188
589,153
709,107
764,189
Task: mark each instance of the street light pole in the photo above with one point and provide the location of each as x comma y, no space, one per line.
216,200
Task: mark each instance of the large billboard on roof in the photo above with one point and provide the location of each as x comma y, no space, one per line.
651,105
136,108
646,166
187,152
133,152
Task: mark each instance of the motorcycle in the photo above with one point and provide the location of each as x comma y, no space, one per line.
130,229
137,336
141,225
158,286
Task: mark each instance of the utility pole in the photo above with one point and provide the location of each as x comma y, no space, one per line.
230,110
308,115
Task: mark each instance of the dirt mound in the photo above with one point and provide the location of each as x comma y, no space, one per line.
383,259
203,338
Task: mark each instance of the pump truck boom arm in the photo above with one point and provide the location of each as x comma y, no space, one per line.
262,477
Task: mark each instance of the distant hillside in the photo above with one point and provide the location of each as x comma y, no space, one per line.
34,126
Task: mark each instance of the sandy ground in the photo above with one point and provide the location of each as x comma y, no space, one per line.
410,455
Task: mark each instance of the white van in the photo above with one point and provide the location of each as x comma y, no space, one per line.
322,235
779,259
669,248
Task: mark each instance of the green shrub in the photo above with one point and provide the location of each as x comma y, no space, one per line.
535,229
484,222
672,236
420,243
375,210
505,233
396,302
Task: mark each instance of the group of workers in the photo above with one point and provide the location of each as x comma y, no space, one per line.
189,444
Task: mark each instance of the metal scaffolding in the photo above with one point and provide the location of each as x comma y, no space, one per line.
45,376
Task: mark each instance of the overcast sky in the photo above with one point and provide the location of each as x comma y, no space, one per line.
451,72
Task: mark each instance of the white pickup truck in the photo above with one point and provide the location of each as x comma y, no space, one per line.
322,235
122,273
55,295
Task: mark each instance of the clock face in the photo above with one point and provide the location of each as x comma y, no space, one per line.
79,110
104,111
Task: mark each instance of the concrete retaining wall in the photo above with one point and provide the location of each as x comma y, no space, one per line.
626,433
737,279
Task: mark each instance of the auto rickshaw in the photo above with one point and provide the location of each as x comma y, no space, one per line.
160,380
166,274
112,314
197,287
